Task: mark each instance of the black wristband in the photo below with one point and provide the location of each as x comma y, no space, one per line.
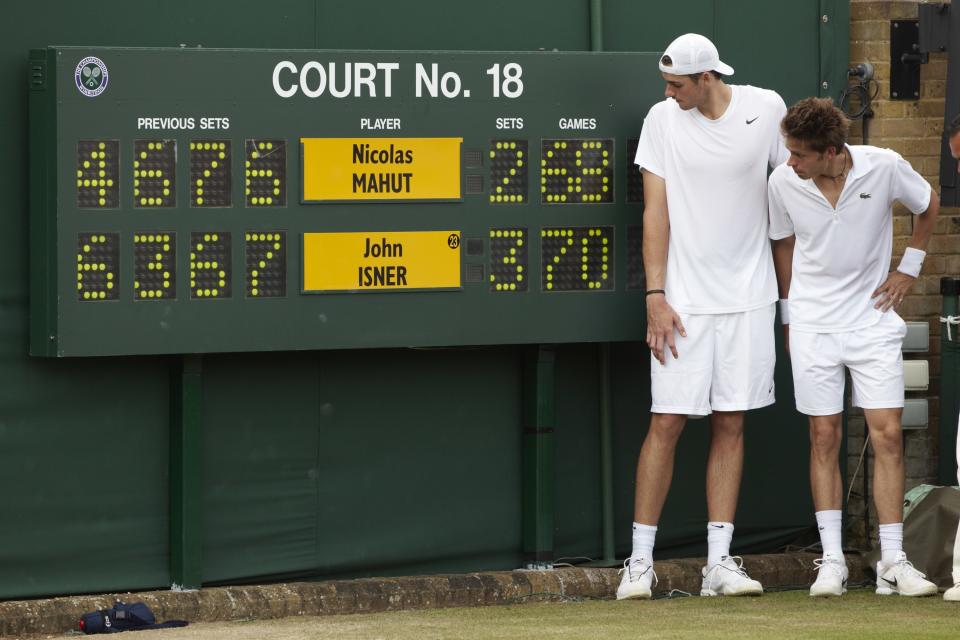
650,291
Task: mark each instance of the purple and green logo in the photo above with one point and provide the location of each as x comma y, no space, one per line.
91,76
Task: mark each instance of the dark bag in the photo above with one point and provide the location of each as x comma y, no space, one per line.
124,617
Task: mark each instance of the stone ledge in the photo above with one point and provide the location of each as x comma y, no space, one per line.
60,615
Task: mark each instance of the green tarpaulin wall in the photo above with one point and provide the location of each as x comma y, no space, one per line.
347,463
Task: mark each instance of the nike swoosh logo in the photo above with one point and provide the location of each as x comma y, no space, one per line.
890,582
752,121
717,526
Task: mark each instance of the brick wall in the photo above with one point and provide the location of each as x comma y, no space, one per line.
913,129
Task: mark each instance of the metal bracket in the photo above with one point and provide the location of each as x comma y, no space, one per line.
905,59
934,27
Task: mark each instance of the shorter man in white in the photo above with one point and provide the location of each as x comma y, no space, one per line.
832,227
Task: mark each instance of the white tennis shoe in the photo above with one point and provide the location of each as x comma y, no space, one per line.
899,577
729,578
638,580
832,575
952,594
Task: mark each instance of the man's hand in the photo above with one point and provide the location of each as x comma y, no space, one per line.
661,320
892,291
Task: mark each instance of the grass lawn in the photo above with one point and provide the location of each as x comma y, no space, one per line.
792,614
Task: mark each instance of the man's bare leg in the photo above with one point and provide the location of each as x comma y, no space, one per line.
722,575
724,470
655,466
654,474
724,465
886,437
826,486
894,573
825,483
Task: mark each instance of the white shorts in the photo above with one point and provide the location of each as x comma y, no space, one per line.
873,355
725,364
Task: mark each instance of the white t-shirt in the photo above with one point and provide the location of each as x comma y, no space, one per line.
842,255
718,257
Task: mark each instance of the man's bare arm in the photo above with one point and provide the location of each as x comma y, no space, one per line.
783,264
898,284
662,320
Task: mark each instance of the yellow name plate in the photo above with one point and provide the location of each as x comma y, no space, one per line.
380,169
378,260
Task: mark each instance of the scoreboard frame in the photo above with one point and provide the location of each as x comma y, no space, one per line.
151,241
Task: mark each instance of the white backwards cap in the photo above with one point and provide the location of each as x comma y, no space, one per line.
692,53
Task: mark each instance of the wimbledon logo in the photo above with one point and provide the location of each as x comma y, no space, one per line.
91,76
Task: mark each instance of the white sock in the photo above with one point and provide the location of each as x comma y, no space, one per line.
891,542
719,537
829,523
643,538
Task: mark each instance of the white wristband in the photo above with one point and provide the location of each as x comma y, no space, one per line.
785,311
912,262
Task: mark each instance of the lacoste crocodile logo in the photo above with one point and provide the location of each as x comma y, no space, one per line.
864,195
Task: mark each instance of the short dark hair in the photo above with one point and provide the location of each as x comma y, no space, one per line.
818,123
954,127
696,76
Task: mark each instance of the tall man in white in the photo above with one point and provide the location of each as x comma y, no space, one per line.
704,153
832,226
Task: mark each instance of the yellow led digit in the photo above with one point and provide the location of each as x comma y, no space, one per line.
211,268
154,173
266,264
265,173
576,171
154,265
98,181
508,260
508,171
577,258
210,175
98,266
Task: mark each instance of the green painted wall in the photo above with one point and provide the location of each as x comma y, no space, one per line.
305,472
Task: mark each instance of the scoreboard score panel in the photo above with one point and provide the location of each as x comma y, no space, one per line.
196,203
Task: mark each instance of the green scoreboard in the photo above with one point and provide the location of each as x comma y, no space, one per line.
200,200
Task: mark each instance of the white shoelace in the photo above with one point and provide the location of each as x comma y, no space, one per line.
629,562
737,570
950,321
834,565
906,564
739,562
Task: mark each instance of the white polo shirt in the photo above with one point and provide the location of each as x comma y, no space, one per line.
842,255
718,258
